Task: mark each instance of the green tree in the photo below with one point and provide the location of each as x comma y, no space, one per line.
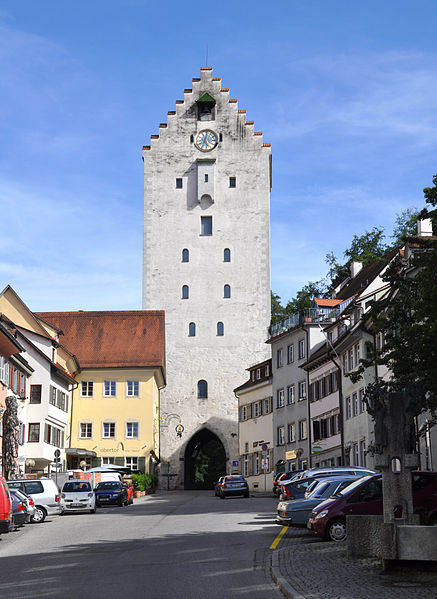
304,297
406,224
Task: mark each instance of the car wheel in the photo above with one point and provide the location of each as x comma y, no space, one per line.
246,495
39,515
433,520
93,511
120,502
222,496
336,530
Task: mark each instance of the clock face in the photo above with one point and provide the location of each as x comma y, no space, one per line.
206,140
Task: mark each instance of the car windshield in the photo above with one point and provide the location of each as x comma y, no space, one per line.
319,490
108,485
76,487
354,485
234,478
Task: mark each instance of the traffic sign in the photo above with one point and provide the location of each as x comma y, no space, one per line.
265,447
57,454
264,464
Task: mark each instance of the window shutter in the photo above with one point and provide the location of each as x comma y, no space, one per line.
62,439
310,393
316,430
46,433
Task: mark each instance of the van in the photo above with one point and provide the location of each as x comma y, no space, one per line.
44,493
6,519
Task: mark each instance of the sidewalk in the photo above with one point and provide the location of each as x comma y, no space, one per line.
304,567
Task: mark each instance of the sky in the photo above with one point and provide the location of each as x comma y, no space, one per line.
345,92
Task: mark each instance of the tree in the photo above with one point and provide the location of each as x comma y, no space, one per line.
406,223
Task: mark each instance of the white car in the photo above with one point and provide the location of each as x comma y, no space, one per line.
78,496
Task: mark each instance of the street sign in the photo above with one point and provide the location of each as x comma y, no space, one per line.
317,449
235,464
265,464
265,447
57,454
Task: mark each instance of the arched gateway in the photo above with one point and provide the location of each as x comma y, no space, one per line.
205,460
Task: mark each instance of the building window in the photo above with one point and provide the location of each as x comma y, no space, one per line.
33,436
243,413
132,388
131,430
255,463
334,382
363,453
354,406
348,408
226,255
280,435
290,354
35,393
206,225
109,388
279,358
291,433
302,390
178,183
108,431
280,398
85,430
361,401
86,388
185,255
256,411
53,436
202,389
267,405
267,370
301,349
220,329
192,329
52,397
302,430
355,454
206,178
107,461
131,462
357,354
232,181
245,465
227,291
290,395
258,374
185,292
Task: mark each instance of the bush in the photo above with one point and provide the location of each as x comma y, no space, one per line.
144,482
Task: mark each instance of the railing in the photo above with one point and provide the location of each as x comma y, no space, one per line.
314,315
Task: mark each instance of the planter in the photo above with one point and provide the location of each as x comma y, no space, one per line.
137,494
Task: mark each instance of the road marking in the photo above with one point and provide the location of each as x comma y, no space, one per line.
279,537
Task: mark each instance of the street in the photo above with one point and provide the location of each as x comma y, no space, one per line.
178,545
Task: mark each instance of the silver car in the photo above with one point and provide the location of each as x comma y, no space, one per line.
44,493
78,496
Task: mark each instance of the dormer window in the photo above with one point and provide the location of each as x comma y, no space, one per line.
205,108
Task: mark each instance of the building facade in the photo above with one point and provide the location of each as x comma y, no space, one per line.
207,180
255,428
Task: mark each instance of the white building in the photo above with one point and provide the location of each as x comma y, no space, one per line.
207,180
255,430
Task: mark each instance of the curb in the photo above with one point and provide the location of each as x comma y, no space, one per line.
280,581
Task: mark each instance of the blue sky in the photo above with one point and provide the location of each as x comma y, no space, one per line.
345,92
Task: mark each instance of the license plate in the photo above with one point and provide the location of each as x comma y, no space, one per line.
76,505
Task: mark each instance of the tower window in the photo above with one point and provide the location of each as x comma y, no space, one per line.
185,292
192,138
227,291
185,255
226,255
206,178
206,225
179,183
202,389
220,329
232,181
192,329
220,136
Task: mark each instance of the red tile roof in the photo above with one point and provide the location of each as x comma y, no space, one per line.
330,303
131,338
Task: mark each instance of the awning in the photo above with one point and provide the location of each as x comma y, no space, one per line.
81,452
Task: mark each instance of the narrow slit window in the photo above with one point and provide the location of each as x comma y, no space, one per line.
220,329
192,329
227,255
178,183
227,291
232,181
202,389
220,136
185,255
185,292
206,225
206,178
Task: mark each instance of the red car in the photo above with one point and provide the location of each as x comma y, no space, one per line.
364,497
130,491
6,518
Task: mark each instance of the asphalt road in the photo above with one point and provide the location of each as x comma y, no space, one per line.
176,545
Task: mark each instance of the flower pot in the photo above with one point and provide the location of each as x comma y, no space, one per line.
137,494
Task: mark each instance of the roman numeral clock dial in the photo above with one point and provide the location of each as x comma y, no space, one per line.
206,140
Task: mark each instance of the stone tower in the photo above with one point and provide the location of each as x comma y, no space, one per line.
207,181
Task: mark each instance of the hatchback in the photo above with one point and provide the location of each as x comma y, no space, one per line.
44,493
19,508
111,492
364,497
234,484
78,496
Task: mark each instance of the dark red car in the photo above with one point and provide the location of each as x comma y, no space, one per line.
130,491
364,497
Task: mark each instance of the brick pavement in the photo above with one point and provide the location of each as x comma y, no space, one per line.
307,568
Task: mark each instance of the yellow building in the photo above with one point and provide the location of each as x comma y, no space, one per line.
115,406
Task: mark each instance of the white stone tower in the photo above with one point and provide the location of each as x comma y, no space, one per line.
207,181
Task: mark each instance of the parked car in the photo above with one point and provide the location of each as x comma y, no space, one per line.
297,511
6,517
217,486
234,484
27,499
44,493
130,491
293,489
282,478
364,497
335,470
111,492
78,496
296,489
20,514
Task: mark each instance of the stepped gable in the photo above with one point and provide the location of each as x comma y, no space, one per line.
131,338
204,86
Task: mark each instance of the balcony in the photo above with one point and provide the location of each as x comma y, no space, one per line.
309,315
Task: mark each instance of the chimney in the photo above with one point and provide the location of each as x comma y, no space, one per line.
424,228
355,268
